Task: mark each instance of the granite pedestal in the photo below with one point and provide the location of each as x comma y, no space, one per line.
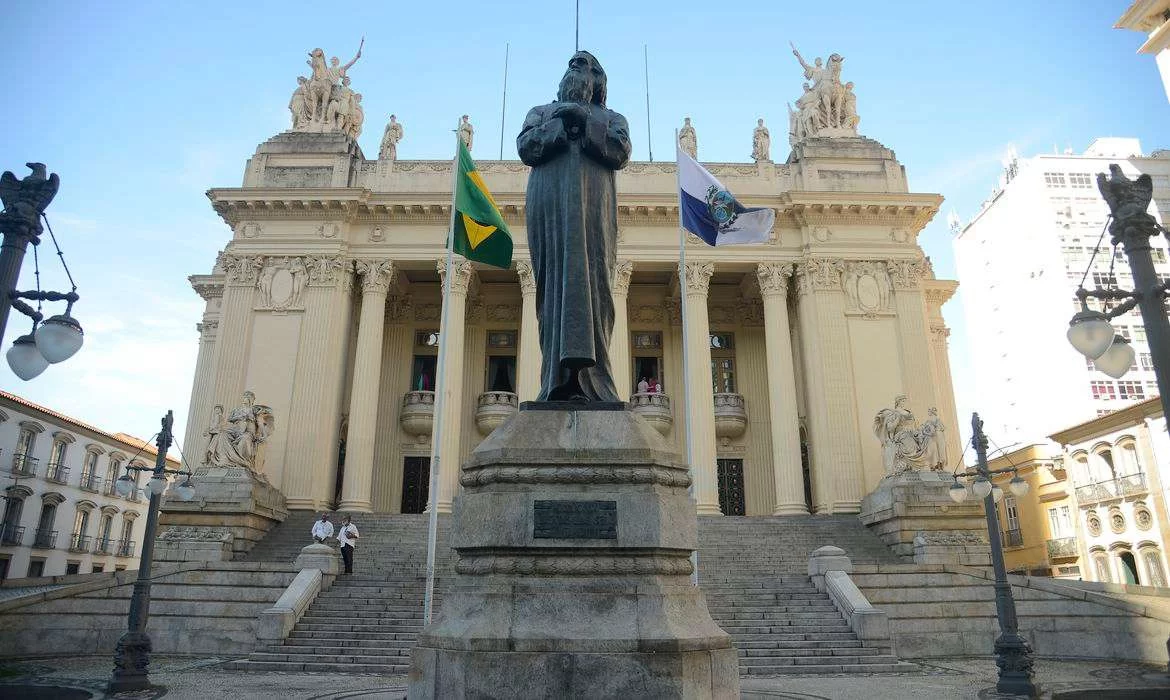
914,515
228,499
574,534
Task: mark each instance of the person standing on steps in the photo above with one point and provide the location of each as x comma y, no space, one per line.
322,529
347,536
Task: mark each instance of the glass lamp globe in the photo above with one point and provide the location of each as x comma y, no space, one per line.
157,485
1117,360
1018,486
981,487
957,492
996,493
59,338
124,485
25,359
185,490
1090,333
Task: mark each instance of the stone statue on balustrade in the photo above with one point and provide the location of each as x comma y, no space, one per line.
239,440
761,142
687,139
391,136
906,445
324,102
826,108
574,146
466,131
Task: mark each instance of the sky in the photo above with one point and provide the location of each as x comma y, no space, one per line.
142,107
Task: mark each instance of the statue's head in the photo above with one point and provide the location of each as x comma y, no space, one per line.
584,81
393,118
899,400
818,62
836,58
687,121
345,81
932,412
317,53
849,86
759,122
464,117
249,398
301,80
335,62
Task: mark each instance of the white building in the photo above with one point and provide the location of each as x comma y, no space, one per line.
1151,17
1020,260
61,513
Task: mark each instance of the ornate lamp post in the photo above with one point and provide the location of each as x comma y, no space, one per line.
1013,654
59,337
132,656
1090,331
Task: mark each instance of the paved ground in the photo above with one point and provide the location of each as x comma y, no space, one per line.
187,677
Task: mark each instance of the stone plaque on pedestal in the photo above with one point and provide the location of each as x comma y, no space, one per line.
232,499
914,505
574,534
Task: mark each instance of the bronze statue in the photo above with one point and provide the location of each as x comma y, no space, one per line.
574,146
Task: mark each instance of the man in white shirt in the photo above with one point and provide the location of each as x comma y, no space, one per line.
347,537
322,529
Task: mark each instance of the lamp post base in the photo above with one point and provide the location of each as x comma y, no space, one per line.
131,664
1013,655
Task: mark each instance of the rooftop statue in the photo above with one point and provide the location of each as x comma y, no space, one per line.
324,102
687,139
574,146
466,131
827,108
761,142
391,136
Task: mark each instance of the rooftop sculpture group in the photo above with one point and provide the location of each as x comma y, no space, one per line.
324,102
827,108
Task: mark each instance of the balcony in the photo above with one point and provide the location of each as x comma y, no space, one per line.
103,546
1062,548
492,408
125,548
730,416
91,483
57,473
417,417
80,543
655,408
1128,485
23,465
12,535
1013,538
111,488
44,539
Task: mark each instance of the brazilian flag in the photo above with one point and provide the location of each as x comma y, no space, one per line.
480,232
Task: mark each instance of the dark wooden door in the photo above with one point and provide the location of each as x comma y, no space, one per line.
416,476
731,486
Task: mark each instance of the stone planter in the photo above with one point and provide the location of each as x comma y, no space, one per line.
730,416
418,414
493,408
655,408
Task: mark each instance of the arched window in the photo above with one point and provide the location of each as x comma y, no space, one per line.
80,540
1155,573
46,534
1105,469
126,540
12,532
105,536
1128,567
113,471
23,461
90,479
1101,567
1128,464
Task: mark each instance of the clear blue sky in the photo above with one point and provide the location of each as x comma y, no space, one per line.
142,107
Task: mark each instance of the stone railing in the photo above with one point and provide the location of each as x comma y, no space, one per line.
44,539
730,416
829,569
417,417
492,408
79,543
57,473
12,535
23,465
1128,485
655,408
91,483
125,548
1062,548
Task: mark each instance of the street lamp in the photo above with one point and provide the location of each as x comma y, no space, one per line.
1090,331
54,339
132,656
1013,654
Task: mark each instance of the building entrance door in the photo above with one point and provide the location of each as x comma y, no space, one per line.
416,477
731,486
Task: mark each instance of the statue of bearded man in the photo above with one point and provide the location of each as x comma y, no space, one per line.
574,146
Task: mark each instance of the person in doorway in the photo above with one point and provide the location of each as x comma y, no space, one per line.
322,529
655,387
347,537
643,386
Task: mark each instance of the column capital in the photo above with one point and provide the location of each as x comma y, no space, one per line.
698,276
622,272
906,274
461,279
377,275
241,270
819,274
773,278
527,277
327,270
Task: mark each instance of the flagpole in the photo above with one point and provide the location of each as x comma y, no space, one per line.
682,276
649,143
504,102
440,391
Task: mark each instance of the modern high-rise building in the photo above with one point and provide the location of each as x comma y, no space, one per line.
1020,261
1151,17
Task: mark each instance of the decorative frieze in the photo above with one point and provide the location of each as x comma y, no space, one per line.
672,309
377,275
722,314
249,229
658,475
647,313
586,565
867,287
329,229
501,313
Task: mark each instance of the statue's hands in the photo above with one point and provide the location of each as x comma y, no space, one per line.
572,114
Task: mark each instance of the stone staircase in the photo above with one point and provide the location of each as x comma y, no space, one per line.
753,571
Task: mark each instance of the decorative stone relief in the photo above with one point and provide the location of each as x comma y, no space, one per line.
899,235
751,312
672,308
324,102
239,440
428,312
527,278
329,230
1093,522
474,311
906,274
377,234
377,275
1116,520
907,446
1142,516
242,270
819,274
721,314
400,308
698,276
462,272
821,234
622,272
501,313
281,283
326,270
647,313
249,230
867,288
773,278
826,108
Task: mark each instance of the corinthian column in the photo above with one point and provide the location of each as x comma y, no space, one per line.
785,421
528,369
701,402
619,344
447,436
377,276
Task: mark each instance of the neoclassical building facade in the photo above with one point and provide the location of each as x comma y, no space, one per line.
326,304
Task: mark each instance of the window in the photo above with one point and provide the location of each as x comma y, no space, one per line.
723,363
22,460
72,567
98,568
80,527
45,536
422,374
1060,522
1158,255
426,339
1145,359
1130,390
1103,279
57,453
104,544
1123,331
1129,459
13,533
1080,180
89,477
113,471
1103,391
25,442
36,568
1154,571
1139,333
1054,179
1101,567
501,373
1012,511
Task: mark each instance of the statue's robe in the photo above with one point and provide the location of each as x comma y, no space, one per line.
572,234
